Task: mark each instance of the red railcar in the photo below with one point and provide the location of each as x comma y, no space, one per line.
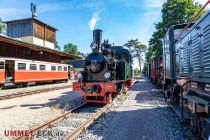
156,70
15,71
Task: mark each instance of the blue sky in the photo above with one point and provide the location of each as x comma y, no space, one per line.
120,20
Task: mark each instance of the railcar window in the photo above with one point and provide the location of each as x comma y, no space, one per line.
59,68
21,66
42,67
65,68
53,68
33,67
1,65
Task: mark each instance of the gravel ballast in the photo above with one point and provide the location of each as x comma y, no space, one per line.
32,88
28,112
143,115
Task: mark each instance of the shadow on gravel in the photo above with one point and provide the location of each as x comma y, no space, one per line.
159,123
67,100
146,118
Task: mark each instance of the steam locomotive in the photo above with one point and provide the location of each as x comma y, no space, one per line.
184,72
107,71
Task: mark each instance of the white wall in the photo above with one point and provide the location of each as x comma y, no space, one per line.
49,44
37,41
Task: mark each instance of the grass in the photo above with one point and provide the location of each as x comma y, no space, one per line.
55,107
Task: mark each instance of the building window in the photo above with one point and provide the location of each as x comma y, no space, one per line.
33,67
21,66
1,65
65,68
42,67
53,68
59,68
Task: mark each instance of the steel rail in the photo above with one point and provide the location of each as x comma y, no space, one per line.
15,95
51,122
86,124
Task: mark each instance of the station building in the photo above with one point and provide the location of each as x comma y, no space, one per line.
31,39
27,53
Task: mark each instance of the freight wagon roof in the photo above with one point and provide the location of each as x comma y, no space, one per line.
7,39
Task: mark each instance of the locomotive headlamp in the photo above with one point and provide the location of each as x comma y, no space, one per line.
93,46
79,76
107,75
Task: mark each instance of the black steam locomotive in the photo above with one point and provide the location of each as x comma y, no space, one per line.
107,71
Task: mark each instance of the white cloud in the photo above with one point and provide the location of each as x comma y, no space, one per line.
52,7
203,2
7,13
12,13
94,19
154,3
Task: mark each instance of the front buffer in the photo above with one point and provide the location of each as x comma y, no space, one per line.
100,92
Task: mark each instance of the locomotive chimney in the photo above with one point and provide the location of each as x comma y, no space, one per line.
97,37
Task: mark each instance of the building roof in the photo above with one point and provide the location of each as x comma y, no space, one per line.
33,19
82,55
7,39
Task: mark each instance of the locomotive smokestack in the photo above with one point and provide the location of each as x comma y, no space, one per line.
97,37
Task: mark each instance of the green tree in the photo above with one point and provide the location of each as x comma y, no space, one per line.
136,72
131,45
71,48
2,27
140,49
136,49
173,12
57,47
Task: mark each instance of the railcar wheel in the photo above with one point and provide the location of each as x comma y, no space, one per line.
2,87
20,85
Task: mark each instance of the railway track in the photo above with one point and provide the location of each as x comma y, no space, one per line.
15,95
69,125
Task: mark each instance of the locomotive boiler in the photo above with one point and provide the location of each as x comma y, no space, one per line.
107,71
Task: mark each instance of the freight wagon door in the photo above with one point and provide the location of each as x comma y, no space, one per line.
9,71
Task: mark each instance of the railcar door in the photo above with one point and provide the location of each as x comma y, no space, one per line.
69,72
9,71
2,73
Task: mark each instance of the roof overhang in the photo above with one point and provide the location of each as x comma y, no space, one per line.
37,47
